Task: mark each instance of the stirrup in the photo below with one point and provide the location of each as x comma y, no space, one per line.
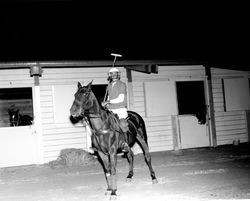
92,149
125,147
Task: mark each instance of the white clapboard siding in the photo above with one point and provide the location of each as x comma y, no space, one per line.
230,125
160,129
16,78
164,72
58,136
73,75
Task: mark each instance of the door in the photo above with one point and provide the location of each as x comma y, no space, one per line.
192,116
193,134
17,144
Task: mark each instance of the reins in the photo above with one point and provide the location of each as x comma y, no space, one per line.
87,115
92,115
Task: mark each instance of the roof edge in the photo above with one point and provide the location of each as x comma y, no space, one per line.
103,63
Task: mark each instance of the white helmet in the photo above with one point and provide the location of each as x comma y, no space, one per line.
114,73
113,70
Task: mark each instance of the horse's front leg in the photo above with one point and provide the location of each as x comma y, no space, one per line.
106,167
113,164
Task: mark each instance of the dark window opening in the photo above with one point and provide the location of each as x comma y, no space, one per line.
249,84
191,99
99,91
16,107
223,93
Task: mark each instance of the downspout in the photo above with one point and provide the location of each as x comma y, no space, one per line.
211,106
130,89
36,72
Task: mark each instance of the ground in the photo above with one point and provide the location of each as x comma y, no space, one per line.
221,173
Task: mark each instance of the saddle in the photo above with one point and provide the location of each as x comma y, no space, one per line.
123,123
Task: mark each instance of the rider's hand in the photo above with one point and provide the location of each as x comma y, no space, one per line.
105,103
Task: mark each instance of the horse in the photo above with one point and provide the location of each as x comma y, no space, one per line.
108,137
16,119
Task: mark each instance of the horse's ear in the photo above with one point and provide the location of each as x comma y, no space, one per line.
79,85
89,85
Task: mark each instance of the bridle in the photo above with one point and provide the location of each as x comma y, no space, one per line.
13,121
87,115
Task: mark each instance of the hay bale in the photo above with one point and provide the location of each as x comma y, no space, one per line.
73,158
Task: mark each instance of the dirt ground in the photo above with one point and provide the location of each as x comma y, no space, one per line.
221,173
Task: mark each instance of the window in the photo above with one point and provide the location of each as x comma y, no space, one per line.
236,94
99,91
16,99
249,85
191,99
160,98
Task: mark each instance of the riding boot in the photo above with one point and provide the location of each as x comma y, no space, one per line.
125,129
124,125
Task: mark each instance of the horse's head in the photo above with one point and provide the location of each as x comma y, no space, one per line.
14,117
84,99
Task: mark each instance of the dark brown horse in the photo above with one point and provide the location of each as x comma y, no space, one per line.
107,136
17,119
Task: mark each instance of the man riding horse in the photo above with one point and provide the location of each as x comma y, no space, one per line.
116,100
107,136
111,129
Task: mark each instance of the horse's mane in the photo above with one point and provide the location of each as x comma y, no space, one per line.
108,117
111,119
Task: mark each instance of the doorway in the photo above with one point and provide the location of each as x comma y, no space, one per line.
192,114
99,90
17,143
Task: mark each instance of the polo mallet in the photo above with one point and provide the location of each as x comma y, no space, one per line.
115,56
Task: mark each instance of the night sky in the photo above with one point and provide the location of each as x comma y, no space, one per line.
212,31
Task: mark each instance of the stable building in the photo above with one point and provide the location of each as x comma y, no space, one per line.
184,105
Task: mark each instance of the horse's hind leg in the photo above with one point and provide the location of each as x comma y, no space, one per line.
130,157
145,149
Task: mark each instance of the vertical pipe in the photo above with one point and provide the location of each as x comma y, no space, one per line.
130,90
36,71
211,105
38,121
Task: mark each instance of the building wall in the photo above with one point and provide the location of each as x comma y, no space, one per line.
18,145
161,129
230,125
15,78
58,136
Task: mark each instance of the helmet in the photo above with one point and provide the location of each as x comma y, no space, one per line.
114,73
113,70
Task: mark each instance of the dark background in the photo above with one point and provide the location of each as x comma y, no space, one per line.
215,32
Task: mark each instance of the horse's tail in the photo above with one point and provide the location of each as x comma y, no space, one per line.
139,123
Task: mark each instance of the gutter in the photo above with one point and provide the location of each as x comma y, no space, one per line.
103,63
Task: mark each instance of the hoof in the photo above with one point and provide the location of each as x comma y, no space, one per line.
108,192
128,180
155,181
113,197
